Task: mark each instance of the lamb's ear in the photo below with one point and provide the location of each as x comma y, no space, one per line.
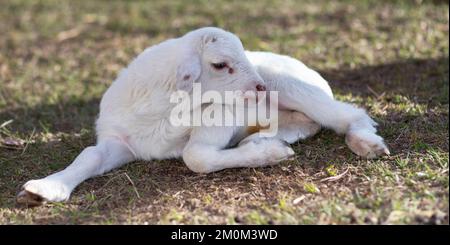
188,72
209,39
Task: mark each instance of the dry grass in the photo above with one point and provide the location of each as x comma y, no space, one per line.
391,57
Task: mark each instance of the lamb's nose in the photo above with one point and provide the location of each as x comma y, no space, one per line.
260,87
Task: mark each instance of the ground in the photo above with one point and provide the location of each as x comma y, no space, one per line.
389,57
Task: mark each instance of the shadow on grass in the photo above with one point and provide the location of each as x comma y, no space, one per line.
423,81
67,117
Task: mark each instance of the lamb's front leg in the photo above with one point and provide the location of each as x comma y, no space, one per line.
108,154
206,151
342,117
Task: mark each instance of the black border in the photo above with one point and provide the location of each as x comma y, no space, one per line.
158,234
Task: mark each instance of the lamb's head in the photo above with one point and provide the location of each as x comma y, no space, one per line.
217,60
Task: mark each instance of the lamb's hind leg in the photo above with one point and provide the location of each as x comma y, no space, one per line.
342,117
292,127
108,154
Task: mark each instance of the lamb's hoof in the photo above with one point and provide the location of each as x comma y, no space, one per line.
38,192
366,144
29,199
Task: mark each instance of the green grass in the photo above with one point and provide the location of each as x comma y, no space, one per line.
390,57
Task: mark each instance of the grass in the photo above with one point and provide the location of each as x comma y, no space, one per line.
390,57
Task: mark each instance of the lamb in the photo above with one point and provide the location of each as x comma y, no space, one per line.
134,119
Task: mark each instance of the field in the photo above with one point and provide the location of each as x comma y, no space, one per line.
389,57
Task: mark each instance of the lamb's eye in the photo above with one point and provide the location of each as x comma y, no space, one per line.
219,66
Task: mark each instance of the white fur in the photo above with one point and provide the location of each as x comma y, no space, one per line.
134,113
